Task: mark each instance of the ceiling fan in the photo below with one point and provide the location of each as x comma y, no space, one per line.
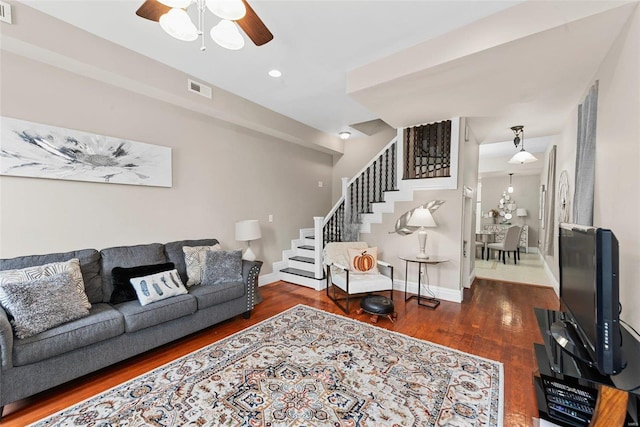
172,16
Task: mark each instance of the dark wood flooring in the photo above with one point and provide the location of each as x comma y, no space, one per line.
496,321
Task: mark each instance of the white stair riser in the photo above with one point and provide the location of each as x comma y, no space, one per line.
301,265
317,284
304,252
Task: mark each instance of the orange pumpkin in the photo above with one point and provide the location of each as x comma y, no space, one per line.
363,262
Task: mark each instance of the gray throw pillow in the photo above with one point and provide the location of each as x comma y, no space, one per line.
222,267
42,303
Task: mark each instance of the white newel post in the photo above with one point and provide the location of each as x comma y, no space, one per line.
318,222
345,186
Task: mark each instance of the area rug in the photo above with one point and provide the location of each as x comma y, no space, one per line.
305,367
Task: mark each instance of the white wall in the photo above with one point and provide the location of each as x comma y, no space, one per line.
617,194
222,172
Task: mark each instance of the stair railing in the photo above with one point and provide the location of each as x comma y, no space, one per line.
358,193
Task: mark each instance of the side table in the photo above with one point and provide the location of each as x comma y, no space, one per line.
430,301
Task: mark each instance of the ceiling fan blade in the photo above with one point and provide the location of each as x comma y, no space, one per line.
253,26
152,10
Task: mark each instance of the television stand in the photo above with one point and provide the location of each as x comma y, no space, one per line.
571,393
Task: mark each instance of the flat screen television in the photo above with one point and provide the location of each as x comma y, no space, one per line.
589,291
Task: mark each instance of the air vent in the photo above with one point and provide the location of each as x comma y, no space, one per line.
199,88
5,12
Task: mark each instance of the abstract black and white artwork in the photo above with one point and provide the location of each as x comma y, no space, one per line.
41,151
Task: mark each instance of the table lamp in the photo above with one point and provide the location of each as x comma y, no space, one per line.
246,231
421,217
521,212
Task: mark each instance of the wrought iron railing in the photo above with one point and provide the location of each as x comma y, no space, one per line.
359,193
427,151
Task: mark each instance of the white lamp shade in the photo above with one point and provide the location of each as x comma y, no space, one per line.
177,24
248,230
522,157
231,10
226,34
421,217
521,212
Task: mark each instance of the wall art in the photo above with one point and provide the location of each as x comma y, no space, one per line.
41,151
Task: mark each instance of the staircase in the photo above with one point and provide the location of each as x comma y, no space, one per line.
365,198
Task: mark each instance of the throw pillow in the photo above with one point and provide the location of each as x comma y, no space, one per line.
194,258
222,267
42,303
362,261
159,286
30,273
122,289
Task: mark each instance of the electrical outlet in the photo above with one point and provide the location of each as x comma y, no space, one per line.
270,218
320,184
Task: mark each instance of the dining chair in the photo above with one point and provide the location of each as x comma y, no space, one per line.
508,245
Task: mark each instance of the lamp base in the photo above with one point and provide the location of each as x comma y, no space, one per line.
248,255
422,240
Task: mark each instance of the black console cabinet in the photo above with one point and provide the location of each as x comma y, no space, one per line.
567,389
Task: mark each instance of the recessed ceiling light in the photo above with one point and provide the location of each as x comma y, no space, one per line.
344,135
275,73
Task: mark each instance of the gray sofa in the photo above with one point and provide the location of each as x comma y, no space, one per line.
114,332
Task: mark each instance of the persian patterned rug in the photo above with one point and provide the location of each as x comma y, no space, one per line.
305,367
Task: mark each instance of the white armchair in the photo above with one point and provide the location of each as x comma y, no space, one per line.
343,283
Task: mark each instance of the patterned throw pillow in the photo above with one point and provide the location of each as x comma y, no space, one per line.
42,303
222,267
362,261
194,258
122,289
159,286
30,273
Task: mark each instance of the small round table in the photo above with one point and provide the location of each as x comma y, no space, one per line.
378,305
430,301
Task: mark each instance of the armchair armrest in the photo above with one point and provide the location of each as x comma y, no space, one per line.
340,266
384,264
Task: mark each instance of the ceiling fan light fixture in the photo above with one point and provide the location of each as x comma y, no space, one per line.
231,10
226,34
522,157
180,4
177,24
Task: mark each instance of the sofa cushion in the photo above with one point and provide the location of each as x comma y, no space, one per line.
103,322
89,265
195,259
138,317
122,289
222,267
42,303
174,253
157,287
209,295
128,256
27,274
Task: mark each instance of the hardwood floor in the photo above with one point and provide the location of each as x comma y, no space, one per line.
496,321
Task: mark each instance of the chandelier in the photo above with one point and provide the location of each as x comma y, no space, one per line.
521,156
178,24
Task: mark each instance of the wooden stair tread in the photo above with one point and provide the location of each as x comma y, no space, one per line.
307,247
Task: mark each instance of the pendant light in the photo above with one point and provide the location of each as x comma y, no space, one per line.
521,156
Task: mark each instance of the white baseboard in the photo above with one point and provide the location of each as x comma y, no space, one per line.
447,294
554,283
265,279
